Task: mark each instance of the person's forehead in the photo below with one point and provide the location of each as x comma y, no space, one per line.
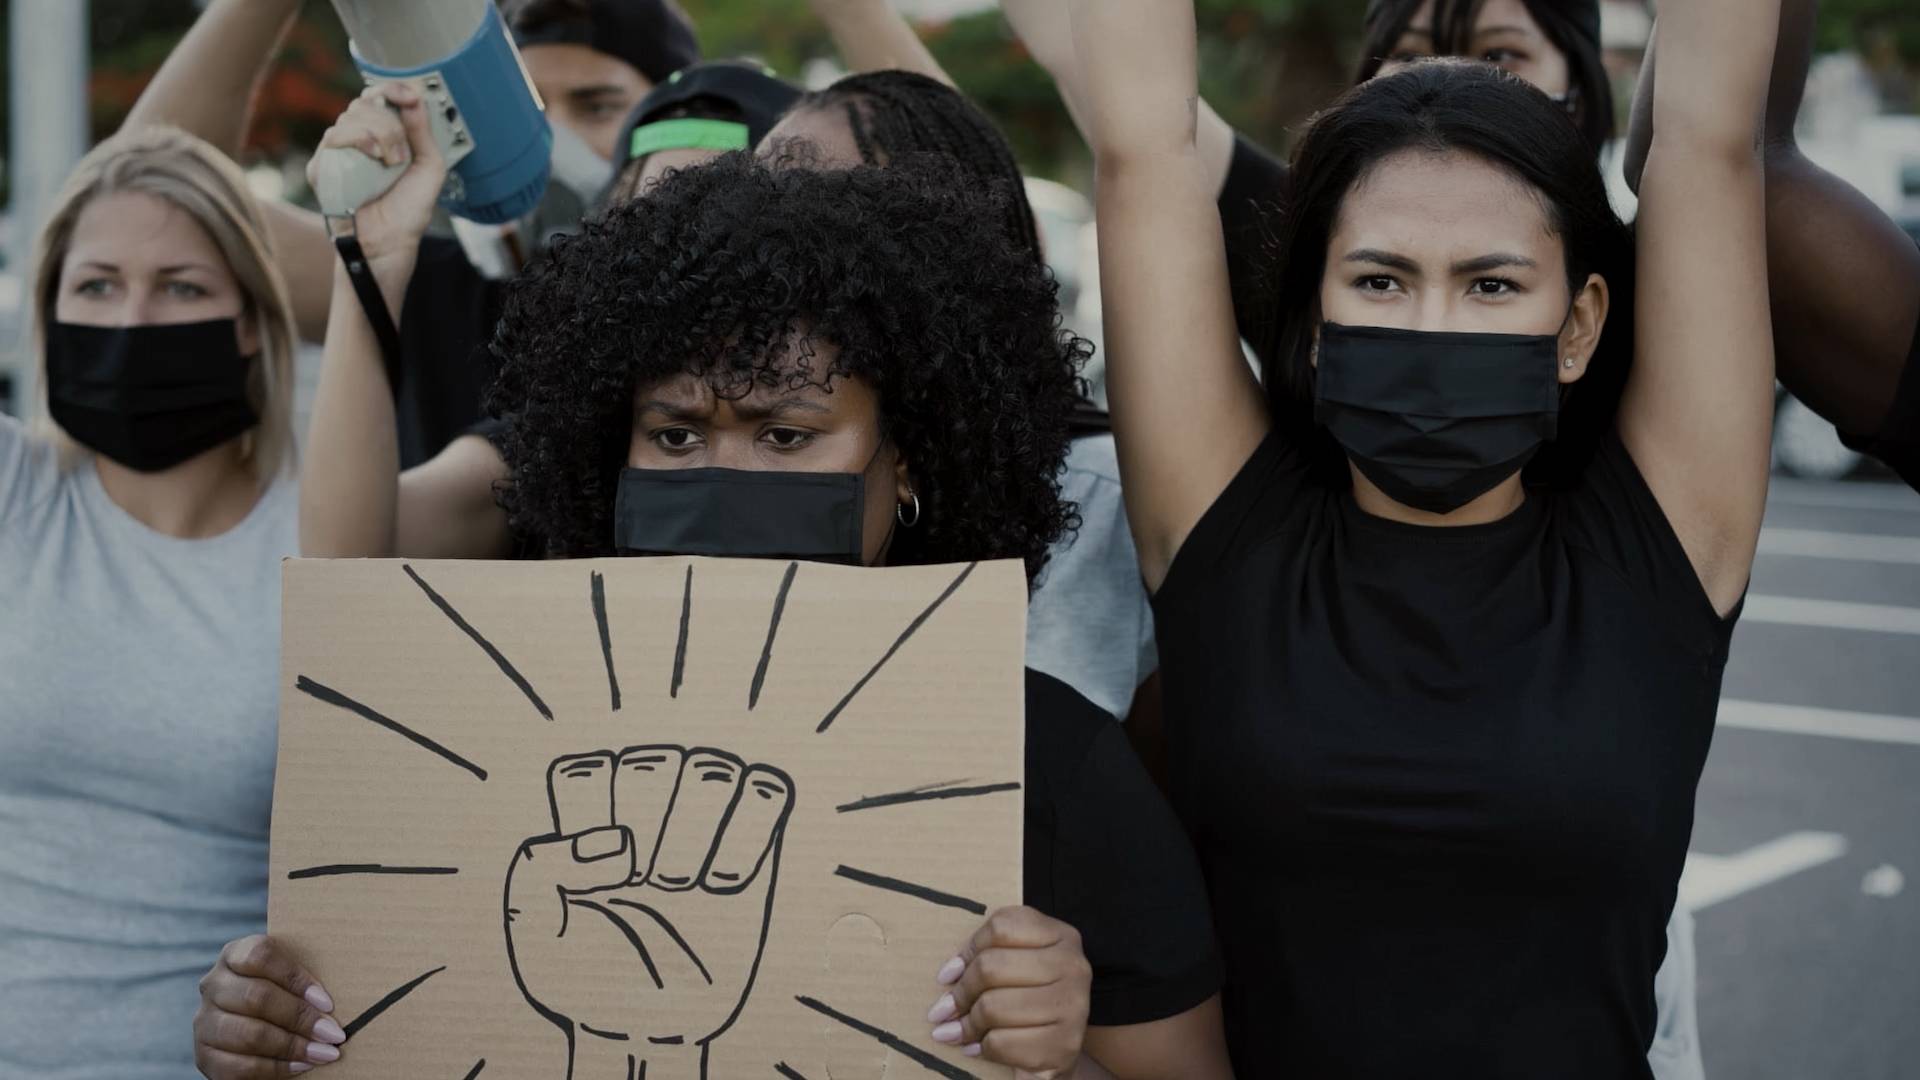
824,128
1493,17
561,66
1420,201
129,227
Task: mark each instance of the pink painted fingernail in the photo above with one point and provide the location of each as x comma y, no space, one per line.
298,1067
971,1049
942,1009
948,1033
328,1032
951,971
319,998
321,1053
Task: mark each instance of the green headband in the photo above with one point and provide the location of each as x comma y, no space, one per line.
687,133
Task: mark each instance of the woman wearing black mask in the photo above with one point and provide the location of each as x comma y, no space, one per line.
758,362
1438,734
141,532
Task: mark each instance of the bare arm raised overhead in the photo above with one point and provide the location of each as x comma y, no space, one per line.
1045,28
873,36
354,501
207,87
1697,413
1844,278
1187,412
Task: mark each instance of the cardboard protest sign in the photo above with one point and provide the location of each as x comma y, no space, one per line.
645,817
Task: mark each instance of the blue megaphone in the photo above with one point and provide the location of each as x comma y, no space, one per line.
486,117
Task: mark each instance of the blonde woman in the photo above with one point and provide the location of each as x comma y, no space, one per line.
142,523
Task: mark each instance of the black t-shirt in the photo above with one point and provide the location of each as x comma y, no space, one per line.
445,324
1440,780
1250,207
1106,855
1898,441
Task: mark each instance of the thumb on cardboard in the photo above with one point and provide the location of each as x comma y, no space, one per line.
544,870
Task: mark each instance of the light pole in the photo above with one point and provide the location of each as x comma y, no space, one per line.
47,97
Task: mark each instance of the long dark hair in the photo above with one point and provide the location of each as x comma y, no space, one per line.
1572,25
1463,108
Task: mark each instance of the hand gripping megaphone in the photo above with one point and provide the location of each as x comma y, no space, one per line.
485,114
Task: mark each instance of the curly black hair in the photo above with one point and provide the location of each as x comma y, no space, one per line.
723,268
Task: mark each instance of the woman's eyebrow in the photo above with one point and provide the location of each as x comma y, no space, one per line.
1382,258
1493,262
672,410
781,407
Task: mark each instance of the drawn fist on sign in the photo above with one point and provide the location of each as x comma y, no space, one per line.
637,925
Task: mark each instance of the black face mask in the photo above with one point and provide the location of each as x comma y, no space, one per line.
739,513
1436,420
149,397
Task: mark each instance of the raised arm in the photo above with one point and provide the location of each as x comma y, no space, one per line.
1187,412
1044,27
1698,407
872,36
207,87
1844,278
354,501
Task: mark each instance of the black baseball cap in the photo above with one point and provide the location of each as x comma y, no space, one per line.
761,97
655,36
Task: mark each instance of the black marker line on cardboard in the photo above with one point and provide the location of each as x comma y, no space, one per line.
912,628
926,794
475,1071
339,700
505,665
773,628
671,932
680,649
788,1071
889,1040
606,639
339,869
353,1026
908,888
632,938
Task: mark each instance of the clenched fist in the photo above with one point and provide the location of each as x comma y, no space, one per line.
654,887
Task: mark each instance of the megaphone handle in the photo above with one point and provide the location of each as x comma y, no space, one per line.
346,179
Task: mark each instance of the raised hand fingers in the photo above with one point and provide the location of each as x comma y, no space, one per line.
644,779
580,792
371,126
759,813
708,781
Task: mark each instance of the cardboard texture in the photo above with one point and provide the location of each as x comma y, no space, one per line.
645,817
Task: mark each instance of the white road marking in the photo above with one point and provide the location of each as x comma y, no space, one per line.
1854,547
1894,497
1832,614
1830,723
1709,879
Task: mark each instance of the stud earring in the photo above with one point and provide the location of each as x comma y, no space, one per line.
1569,363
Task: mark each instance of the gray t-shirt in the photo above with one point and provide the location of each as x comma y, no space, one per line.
1089,624
138,698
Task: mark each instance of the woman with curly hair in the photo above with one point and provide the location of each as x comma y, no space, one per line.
839,366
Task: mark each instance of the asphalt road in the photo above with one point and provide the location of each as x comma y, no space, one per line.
1805,873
